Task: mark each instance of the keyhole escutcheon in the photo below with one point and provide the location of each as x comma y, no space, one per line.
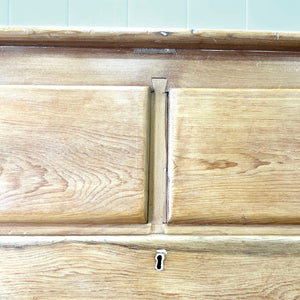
159,259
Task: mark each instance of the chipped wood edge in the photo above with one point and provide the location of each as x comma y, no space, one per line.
143,38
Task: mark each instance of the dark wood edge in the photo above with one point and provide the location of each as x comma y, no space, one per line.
126,38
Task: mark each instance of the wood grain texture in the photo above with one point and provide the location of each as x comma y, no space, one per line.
262,230
28,229
158,156
230,244
186,39
234,156
185,69
73,154
113,268
31,229
144,229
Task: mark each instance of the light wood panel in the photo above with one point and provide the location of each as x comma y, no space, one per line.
186,39
185,69
234,156
73,154
158,157
123,268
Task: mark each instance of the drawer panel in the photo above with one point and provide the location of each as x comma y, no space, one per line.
234,156
73,154
124,268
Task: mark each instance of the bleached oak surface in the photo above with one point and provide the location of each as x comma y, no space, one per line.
73,154
123,268
234,156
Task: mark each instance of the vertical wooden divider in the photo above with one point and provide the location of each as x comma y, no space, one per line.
158,156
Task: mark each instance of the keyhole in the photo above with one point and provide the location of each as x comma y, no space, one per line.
159,259
159,262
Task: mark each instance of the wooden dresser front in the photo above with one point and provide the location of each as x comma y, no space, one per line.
149,165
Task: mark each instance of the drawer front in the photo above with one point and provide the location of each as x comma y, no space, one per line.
124,268
73,154
234,156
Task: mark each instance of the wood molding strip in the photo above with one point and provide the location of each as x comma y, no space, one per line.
158,156
233,230
144,229
185,39
14,229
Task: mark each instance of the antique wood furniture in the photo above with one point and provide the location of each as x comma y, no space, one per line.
149,165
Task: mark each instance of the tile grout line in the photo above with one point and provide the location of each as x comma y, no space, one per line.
187,13
127,13
8,12
247,21
68,12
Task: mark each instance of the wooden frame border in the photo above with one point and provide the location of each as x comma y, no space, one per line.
141,38
13,229
244,244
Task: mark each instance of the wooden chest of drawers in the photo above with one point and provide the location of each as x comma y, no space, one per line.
149,165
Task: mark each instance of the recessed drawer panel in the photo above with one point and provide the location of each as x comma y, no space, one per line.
73,154
234,156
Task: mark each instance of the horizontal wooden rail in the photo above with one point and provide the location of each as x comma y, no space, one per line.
141,38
